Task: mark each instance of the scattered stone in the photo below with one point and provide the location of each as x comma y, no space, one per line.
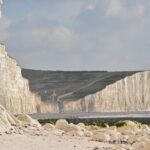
58,132
88,133
48,126
127,123
114,134
7,121
76,133
145,128
128,127
62,124
72,127
26,120
127,137
101,137
128,130
81,125
92,127
96,148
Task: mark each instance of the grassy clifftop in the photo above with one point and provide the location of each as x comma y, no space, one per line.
71,85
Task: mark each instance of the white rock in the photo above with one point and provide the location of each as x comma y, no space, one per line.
27,120
88,133
76,133
72,127
48,126
62,124
145,128
81,125
101,137
7,121
115,136
128,130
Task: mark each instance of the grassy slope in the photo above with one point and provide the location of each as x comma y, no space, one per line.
71,84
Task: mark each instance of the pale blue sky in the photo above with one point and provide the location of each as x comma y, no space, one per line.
78,34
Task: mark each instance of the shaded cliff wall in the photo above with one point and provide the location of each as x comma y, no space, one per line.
14,89
129,94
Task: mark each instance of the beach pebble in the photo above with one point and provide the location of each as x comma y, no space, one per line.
48,126
101,137
62,124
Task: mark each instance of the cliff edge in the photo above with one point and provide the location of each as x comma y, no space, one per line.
14,89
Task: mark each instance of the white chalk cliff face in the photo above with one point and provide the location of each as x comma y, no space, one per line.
1,2
15,94
14,89
129,94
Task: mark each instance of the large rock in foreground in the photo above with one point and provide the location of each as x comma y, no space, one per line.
7,121
11,124
27,120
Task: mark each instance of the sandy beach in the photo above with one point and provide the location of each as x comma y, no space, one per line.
50,142
65,136
22,132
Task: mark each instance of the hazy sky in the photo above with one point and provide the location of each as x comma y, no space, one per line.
78,34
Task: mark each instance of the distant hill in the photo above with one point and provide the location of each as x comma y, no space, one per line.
71,85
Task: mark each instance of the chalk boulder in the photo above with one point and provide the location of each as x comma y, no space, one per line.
7,121
26,120
101,137
62,124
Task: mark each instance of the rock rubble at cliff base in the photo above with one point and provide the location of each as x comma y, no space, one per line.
129,94
11,124
129,136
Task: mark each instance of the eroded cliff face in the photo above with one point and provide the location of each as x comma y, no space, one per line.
14,89
1,2
129,94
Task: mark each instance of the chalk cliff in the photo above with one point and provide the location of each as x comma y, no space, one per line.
1,2
14,89
129,94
